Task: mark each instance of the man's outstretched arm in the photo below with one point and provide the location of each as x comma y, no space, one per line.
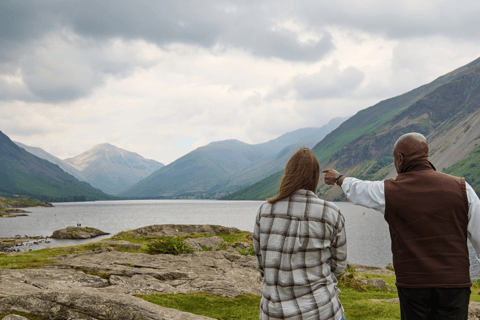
370,194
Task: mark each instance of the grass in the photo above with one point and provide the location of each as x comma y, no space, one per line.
357,305
469,168
38,258
202,303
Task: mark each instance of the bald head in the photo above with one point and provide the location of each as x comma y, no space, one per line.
409,147
412,143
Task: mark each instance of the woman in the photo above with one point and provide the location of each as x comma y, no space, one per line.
300,245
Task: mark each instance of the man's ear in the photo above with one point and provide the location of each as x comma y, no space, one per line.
401,159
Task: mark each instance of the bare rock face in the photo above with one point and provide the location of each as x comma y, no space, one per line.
218,272
14,317
208,244
90,306
77,233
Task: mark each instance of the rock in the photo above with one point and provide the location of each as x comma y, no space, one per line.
118,244
473,310
208,244
77,233
351,280
217,272
89,306
369,269
242,245
14,317
374,283
177,230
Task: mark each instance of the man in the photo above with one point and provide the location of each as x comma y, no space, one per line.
430,215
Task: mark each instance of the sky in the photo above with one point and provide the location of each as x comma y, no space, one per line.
162,78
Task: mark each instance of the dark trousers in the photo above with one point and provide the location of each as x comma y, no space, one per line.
434,303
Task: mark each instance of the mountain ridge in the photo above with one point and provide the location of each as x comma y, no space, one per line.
220,166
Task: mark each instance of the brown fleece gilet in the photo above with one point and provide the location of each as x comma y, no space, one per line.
427,212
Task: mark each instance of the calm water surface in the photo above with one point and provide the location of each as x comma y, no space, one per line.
367,232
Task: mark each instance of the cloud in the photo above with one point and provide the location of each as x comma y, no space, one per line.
329,82
142,75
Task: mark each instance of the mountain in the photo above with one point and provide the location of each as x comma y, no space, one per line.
42,154
22,173
112,169
445,111
225,166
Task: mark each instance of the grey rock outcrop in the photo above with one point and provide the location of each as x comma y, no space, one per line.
218,272
14,317
90,306
77,233
171,230
101,283
208,244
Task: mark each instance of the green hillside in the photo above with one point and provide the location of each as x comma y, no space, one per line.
265,188
363,144
468,168
23,174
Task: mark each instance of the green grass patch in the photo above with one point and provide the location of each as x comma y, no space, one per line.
38,258
357,305
242,307
469,168
236,237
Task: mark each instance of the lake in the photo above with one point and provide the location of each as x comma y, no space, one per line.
368,239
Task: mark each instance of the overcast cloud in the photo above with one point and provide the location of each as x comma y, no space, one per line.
161,78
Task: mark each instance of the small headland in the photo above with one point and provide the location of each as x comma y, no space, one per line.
166,272
77,233
10,207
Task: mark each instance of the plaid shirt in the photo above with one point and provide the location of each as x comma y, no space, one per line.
301,246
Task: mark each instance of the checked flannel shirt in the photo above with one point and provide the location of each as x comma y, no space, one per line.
301,246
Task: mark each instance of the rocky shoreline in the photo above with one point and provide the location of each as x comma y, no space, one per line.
102,283
19,243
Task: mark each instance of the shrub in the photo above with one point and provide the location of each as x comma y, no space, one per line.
221,245
249,251
205,248
169,245
390,267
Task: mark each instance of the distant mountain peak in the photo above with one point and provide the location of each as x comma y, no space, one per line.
113,169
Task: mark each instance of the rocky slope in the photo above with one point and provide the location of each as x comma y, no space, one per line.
112,169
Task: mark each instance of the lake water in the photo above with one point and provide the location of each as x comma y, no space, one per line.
367,232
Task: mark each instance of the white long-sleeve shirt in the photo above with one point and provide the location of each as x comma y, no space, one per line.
371,194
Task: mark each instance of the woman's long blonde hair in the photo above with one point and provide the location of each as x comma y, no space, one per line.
301,172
